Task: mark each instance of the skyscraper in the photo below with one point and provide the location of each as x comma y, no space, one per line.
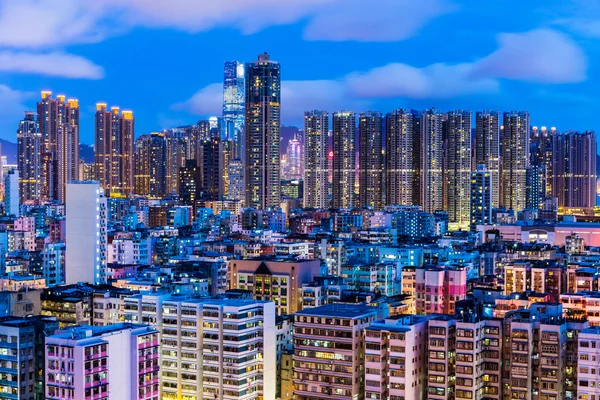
175,159
541,152
233,107
316,142
29,158
210,171
535,192
481,197
487,148
402,157
295,157
262,130
151,165
371,183
86,233
458,168
515,160
344,159
59,145
114,144
574,169
189,183
431,161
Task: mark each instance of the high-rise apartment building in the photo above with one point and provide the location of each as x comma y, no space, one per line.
175,147
344,159
389,345
57,142
86,233
22,356
11,193
316,143
119,361
403,157
535,191
574,169
151,165
211,173
458,168
541,152
262,131
189,183
329,351
114,145
234,107
216,349
432,152
29,158
487,148
481,197
515,160
438,289
371,160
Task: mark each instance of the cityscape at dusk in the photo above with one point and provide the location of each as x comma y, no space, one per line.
299,200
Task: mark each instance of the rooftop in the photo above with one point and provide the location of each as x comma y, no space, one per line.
340,310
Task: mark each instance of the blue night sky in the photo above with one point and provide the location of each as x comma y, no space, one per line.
164,59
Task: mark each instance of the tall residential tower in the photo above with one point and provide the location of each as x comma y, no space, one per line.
316,142
487,148
371,182
344,156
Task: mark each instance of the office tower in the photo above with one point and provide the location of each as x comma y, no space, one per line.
119,361
487,148
175,159
457,171
574,169
535,193
67,164
86,233
481,197
189,183
234,107
210,171
22,349
234,340
151,165
316,142
515,160
114,146
293,168
431,161
334,371
402,157
11,193
263,97
29,158
344,159
541,152
371,173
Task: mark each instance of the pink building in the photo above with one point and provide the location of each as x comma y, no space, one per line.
439,288
119,361
25,224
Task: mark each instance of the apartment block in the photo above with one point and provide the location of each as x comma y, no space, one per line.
438,289
213,349
329,351
120,361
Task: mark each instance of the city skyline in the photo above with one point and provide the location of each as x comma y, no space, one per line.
78,62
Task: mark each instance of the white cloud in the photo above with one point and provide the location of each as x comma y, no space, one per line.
543,55
206,101
385,20
51,23
38,23
11,102
51,64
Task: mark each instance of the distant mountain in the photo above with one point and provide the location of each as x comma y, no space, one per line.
9,149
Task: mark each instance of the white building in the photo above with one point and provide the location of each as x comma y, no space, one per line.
86,233
11,192
130,251
216,349
588,368
117,362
